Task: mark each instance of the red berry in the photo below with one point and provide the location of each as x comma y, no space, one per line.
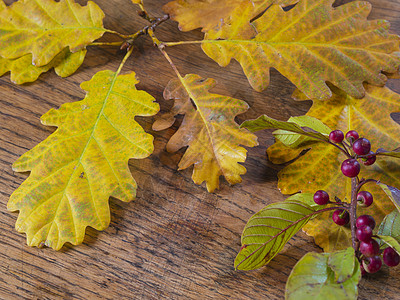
365,220
372,264
352,135
370,160
321,197
362,146
364,234
390,257
350,167
336,136
364,199
341,217
370,248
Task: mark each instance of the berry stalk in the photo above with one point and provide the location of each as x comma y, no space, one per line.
353,212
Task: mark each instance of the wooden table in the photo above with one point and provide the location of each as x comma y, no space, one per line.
175,240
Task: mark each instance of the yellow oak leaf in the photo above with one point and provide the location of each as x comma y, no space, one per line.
44,28
22,70
319,168
311,44
209,130
70,63
84,162
215,14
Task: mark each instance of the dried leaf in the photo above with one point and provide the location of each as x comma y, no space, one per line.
208,129
84,162
319,168
311,44
70,63
44,28
209,14
22,70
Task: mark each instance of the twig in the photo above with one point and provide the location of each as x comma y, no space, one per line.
353,212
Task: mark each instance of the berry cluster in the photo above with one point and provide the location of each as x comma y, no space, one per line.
357,148
366,247
366,244
369,247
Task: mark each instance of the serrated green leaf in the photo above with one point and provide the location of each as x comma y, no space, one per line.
84,162
392,193
390,225
311,44
291,131
269,230
23,71
44,28
313,277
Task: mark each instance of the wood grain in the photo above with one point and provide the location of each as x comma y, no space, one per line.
175,241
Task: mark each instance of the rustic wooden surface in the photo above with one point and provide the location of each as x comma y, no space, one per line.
175,240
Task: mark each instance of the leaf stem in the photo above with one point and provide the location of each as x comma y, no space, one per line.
106,44
145,30
128,53
364,181
181,43
117,33
129,39
344,150
143,13
161,47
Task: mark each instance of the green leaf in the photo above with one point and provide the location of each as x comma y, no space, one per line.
294,139
391,242
44,28
342,264
392,193
84,162
306,198
269,230
291,130
390,225
316,275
